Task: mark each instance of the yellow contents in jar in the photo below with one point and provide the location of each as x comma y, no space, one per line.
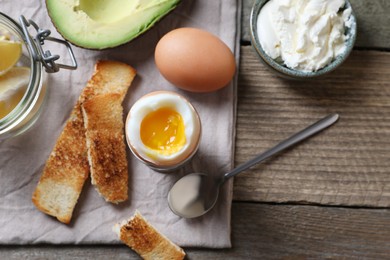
13,85
163,130
10,52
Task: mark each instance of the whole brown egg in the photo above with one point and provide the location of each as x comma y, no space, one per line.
195,60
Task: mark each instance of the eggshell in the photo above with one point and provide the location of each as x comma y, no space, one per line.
195,60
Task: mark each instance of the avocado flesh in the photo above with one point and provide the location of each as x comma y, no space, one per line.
100,24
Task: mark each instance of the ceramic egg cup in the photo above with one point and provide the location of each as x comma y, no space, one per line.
132,129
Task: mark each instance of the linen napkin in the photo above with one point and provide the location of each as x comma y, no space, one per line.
22,158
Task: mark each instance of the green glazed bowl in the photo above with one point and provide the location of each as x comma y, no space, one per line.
283,70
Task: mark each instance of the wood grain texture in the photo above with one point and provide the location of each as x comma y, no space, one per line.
264,232
372,16
347,164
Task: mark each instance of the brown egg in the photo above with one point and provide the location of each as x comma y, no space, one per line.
195,60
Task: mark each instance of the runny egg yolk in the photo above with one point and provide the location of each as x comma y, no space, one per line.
163,130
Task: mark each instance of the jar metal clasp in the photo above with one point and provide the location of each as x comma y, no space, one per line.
35,44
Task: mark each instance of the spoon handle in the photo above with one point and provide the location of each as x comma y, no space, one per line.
294,139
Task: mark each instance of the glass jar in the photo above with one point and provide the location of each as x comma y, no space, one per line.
40,61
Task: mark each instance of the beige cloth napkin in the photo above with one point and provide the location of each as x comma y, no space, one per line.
22,158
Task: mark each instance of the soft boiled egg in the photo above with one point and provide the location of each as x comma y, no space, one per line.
163,130
195,60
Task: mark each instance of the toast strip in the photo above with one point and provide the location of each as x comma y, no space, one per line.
144,239
103,121
67,167
65,171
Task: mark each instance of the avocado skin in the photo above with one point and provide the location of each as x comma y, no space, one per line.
143,29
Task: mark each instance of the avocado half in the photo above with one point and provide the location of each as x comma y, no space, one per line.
101,24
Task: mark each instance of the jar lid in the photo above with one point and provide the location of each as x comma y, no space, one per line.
36,42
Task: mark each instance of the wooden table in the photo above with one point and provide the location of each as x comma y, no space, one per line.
327,198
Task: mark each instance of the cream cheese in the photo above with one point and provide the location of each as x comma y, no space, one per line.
306,34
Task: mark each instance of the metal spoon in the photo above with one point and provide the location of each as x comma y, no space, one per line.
195,194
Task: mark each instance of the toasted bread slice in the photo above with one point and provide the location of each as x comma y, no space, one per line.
103,121
65,172
109,77
144,239
67,167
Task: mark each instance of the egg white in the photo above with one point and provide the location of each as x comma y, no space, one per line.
152,102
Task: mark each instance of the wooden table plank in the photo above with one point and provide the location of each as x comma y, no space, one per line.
373,23
262,231
347,164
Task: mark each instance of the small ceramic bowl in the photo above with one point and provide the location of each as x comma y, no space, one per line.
283,70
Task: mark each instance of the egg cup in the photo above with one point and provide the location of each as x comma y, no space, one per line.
163,130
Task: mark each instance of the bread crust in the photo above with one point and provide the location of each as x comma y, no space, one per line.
67,167
143,238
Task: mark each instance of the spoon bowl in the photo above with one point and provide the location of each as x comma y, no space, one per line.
193,195
196,193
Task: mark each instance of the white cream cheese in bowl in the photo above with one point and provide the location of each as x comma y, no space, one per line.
303,35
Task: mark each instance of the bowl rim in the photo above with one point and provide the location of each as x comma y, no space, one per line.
293,73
